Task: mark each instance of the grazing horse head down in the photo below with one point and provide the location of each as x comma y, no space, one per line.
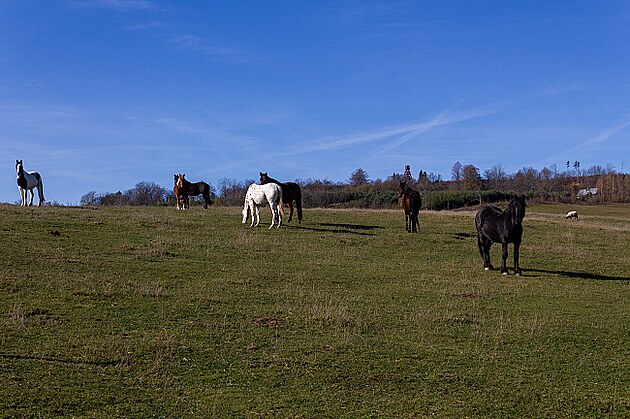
257,195
411,202
291,192
27,181
496,226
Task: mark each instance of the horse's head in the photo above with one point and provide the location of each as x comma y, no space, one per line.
517,208
18,166
180,181
403,187
264,178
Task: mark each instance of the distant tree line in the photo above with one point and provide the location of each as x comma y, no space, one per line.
143,194
467,187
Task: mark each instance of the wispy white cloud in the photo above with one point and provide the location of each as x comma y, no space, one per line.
201,46
145,26
603,136
391,137
118,5
593,144
398,135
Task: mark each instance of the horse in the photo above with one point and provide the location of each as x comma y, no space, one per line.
291,191
411,204
27,181
181,197
256,196
572,214
496,226
193,189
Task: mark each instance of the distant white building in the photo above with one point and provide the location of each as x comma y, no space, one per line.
586,192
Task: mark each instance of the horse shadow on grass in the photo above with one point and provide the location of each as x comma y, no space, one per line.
358,229
578,275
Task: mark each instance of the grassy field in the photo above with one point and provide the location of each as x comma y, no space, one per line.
155,312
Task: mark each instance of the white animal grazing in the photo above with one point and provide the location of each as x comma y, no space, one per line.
572,214
27,181
256,196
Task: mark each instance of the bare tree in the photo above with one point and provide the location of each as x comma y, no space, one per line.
496,175
457,172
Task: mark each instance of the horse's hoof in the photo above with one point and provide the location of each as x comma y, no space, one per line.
504,273
517,273
486,269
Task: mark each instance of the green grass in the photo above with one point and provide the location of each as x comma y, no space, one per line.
156,312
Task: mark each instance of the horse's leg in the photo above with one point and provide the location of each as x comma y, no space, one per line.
517,269
30,202
298,205
290,211
484,249
257,215
504,255
274,210
22,198
407,223
414,225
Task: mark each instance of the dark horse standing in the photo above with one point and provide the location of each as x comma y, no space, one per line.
494,225
411,202
193,189
290,192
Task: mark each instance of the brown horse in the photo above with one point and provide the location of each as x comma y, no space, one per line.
193,189
291,191
181,197
411,204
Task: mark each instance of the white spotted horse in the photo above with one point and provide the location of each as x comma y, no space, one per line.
291,191
27,181
256,196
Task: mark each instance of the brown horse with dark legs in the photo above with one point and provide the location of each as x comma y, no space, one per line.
494,225
411,202
291,191
193,189
181,197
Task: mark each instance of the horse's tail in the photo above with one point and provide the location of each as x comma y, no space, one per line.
40,187
280,203
206,195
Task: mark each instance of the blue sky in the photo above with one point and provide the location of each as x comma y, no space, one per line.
101,94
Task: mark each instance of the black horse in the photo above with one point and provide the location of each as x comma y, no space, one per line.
494,225
194,189
291,191
411,203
